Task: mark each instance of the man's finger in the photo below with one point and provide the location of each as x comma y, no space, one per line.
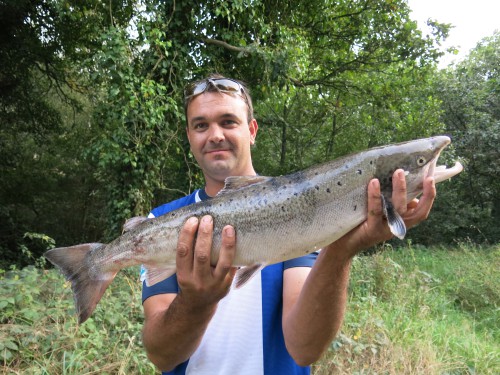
227,254
374,200
185,245
201,260
399,191
423,208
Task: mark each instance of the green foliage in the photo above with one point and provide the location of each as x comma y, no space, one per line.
468,208
420,311
92,114
39,332
412,310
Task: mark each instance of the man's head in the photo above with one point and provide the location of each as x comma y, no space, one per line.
220,128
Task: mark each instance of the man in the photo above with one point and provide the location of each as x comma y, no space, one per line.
283,319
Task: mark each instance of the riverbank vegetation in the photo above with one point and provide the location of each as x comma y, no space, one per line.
412,310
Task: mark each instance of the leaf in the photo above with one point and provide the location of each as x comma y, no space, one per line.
10,345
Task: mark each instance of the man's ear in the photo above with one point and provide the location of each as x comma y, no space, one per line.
254,127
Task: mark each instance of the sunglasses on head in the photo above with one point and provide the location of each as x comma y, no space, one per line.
220,84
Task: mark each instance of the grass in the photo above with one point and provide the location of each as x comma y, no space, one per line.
421,311
411,311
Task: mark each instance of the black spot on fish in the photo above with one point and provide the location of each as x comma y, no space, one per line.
316,173
328,190
283,208
359,171
355,207
316,187
371,162
295,194
339,183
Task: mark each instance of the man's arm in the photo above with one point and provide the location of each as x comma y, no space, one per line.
174,324
314,300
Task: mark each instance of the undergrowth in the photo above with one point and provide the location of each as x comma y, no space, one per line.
411,311
420,311
39,333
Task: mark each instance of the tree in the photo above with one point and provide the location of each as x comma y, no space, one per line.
44,128
470,91
92,96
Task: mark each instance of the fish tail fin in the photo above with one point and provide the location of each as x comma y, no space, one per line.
87,287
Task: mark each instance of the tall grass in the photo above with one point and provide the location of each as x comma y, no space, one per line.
39,333
411,311
421,311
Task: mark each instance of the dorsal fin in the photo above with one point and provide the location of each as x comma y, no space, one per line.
237,182
133,222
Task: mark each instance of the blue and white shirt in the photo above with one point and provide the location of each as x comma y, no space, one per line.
245,335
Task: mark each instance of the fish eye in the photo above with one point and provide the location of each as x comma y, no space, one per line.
421,161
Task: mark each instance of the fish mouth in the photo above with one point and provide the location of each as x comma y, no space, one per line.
442,172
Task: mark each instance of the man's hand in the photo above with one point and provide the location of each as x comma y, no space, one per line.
201,284
375,229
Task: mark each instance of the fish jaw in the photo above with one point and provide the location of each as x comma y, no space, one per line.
442,173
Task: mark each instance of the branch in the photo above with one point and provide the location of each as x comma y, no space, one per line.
225,45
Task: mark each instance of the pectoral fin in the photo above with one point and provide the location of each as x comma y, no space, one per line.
394,220
243,275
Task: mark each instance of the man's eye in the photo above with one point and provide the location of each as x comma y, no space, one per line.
200,126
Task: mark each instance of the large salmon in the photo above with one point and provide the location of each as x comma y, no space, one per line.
276,218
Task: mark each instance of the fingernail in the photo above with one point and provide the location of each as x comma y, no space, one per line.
193,220
207,219
229,231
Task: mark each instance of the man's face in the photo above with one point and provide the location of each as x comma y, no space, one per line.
220,135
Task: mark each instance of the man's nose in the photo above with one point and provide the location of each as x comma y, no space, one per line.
216,134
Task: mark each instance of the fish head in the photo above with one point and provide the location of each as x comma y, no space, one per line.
418,159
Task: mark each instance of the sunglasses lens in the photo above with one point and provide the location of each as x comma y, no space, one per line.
223,84
199,88
226,84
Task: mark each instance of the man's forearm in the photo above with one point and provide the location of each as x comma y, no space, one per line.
172,335
318,313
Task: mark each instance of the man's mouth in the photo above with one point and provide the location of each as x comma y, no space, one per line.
217,150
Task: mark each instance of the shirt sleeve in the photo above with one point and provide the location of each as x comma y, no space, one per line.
305,261
168,285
